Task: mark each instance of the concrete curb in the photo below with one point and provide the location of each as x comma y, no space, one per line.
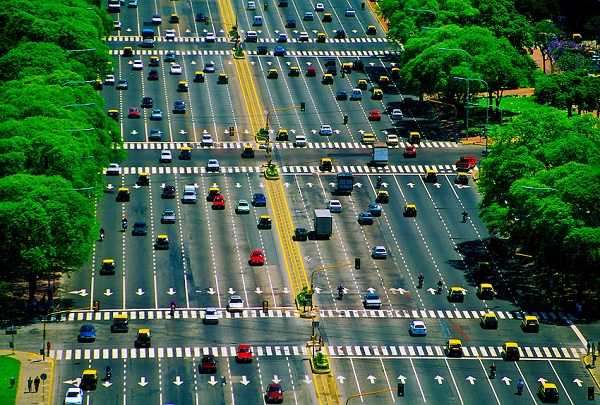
587,361
33,366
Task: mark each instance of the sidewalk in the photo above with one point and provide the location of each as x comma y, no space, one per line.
33,366
592,368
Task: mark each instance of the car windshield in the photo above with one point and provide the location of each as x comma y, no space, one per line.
87,328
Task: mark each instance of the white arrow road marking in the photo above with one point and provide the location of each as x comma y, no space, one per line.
83,292
542,380
285,290
471,379
578,382
211,291
371,378
143,382
276,379
178,381
307,379
258,290
171,291
76,382
230,291
212,380
439,379
411,185
432,290
108,292
359,185
507,380
370,289
107,383
238,185
437,185
309,184
318,290
340,378
140,291
402,379
245,380
286,184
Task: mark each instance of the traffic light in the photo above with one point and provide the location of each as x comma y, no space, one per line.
302,106
400,389
231,131
265,307
590,393
357,263
96,306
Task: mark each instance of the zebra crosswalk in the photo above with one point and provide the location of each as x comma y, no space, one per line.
336,351
293,53
137,38
277,145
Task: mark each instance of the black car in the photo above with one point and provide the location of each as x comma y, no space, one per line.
179,107
341,95
358,65
300,234
332,70
330,62
140,228
290,23
122,85
170,56
200,17
262,50
168,192
340,34
153,74
147,102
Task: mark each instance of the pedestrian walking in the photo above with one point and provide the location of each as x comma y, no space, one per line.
36,383
48,347
589,346
593,348
29,384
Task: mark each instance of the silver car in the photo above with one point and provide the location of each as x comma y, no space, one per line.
372,300
242,207
379,252
168,216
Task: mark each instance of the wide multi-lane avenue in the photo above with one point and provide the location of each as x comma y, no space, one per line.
208,257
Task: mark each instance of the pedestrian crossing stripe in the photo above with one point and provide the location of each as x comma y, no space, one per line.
366,169
298,54
276,145
135,38
159,314
335,351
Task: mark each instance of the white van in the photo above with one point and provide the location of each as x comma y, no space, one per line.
251,36
258,20
356,94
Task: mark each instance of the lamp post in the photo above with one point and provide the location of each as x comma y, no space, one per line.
79,105
487,108
81,130
77,83
468,79
91,50
438,29
412,10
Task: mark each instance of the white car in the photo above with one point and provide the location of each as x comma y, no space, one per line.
319,7
109,80
113,169
379,252
334,206
207,140
303,37
213,165
170,34
74,396
236,304
176,69
392,140
397,114
251,5
210,37
325,130
137,65
117,25
242,207
211,316
166,156
300,141
156,19
209,67
282,38
418,327
350,12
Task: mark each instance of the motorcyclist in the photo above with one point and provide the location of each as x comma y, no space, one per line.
465,215
345,119
102,233
440,285
343,73
493,370
173,307
124,223
520,385
379,181
421,278
341,291
108,371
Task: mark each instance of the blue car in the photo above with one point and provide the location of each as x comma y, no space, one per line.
87,333
259,200
279,51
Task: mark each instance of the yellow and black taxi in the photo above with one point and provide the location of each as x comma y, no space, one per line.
294,71
327,17
410,210
395,73
530,323
123,194
143,179
326,165
143,338
383,81
327,78
108,266
127,51
321,37
282,135
371,30
248,151
347,67
456,294
383,197
174,18
154,61
548,392
185,153
223,79
485,291
510,351
120,324
489,320
454,348
199,76
89,380
462,178
264,222
377,94
212,193
183,86
362,84
430,176
162,242
114,114
414,138
272,74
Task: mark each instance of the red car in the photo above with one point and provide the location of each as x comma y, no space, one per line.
274,394
466,162
244,354
410,152
153,74
311,72
134,112
375,116
218,203
257,258
208,364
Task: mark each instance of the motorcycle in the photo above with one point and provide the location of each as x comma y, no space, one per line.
173,307
420,282
124,225
492,372
379,181
108,373
340,292
102,234
465,216
345,119
440,287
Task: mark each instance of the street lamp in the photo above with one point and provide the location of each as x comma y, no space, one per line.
91,50
538,188
79,105
487,108
81,130
412,10
468,79
237,31
77,82
437,29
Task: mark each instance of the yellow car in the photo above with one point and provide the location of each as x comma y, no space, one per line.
183,86
489,320
248,151
186,153
362,84
414,138
162,242
127,51
143,338
548,392
383,197
294,71
462,178
430,176
114,114
510,351
264,222
371,30
120,324
321,38
347,67
454,348
89,380
530,323
223,79
143,179
326,165
368,138
383,81
485,291
395,72
108,266
123,194
377,94
199,76
282,135
410,210
272,74
456,294
327,78
212,192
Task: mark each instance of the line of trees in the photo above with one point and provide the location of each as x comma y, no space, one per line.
55,137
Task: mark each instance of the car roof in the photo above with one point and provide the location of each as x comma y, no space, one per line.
418,322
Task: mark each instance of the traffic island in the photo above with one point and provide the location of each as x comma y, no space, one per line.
239,53
319,363
271,172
